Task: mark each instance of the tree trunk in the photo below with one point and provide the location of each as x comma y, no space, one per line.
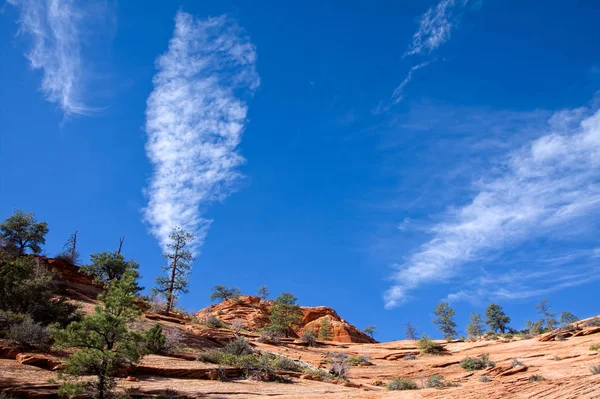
171,286
101,382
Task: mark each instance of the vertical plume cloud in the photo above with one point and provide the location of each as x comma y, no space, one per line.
435,26
53,27
195,118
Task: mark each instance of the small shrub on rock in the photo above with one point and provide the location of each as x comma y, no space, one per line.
309,337
30,334
270,337
287,364
595,347
358,359
476,363
595,322
436,381
167,394
214,322
535,378
340,368
410,357
595,369
517,363
238,347
428,346
402,384
485,378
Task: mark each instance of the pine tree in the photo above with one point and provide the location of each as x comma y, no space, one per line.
445,321
325,332
178,268
549,318
411,332
108,266
22,231
103,341
568,318
370,331
70,252
284,314
223,293
263,292
475,327
497,320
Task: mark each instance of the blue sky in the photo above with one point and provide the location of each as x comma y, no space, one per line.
376,158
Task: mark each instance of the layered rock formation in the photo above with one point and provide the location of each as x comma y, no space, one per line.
253,313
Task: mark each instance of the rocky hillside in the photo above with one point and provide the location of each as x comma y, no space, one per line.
561,364
253,313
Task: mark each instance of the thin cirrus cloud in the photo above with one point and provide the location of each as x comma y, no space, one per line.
547,189
435,29
54,29
195,118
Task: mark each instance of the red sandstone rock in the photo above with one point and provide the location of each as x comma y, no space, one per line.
254,314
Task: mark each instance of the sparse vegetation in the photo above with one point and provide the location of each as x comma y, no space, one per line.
309,337
595,322
284,314
568,318
430,347
476,363
370,331
445,320
595,347
516,363
21,232
410,357
223,293
548,317
325,333
156,342
402,384
497,320
410,332
485,378
438,381
340,367
263,293
535,378
29,333
213,321
595,369
178,268
356,360
108,266
475,327
104,341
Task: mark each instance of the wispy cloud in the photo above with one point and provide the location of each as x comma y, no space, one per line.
398,94
195,118
548,188
54,29
435,26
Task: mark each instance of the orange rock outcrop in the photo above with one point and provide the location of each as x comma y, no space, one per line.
253,313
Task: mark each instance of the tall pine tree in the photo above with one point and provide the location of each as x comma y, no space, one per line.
178,267
445,321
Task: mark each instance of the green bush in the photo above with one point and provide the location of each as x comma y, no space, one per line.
426,345
156,342
287,364
238,347
30,334
436,381
402,384
595,347
309,337
214,322
358,359
476,363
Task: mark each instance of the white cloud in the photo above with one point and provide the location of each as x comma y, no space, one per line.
435,26
195,118
54,29
398,94
548,188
